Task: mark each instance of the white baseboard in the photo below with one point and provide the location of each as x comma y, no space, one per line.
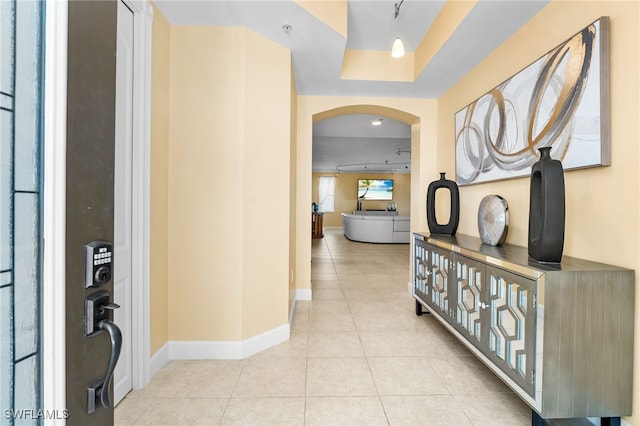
182,350
292,314
303,294
159,360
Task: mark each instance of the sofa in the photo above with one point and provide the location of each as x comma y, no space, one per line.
375,228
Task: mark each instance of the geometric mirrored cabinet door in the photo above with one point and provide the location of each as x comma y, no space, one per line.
439,274
511,337
421,270
469,278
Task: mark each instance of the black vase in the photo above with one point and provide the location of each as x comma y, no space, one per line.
546,209
454,216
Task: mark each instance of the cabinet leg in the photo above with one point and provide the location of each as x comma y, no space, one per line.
536,420
419,310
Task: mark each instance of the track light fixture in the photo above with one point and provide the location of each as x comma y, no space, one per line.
397,51
372,167
398,9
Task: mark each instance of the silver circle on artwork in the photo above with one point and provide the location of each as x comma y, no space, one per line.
493,220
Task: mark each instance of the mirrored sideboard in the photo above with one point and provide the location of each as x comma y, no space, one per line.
560,335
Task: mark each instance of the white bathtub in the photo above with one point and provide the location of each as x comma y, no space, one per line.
376,229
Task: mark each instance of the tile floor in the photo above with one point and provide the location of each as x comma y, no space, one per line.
358,355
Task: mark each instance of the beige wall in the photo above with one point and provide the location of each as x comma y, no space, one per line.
205,185
265,184
347,188
229,150
159,256
293,211
601,203
209,224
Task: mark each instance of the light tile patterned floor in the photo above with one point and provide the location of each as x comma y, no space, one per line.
358,355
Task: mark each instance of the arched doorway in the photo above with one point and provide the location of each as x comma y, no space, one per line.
414,112
352,148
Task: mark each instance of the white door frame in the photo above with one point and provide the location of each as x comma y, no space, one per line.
54,214
141,193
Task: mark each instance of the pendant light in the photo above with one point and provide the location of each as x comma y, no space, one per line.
397,51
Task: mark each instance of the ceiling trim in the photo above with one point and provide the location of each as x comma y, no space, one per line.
377,65
334,14
446,23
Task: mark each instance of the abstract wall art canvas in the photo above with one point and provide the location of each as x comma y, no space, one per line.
561,100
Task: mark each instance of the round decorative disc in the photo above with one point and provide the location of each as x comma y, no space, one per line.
493,220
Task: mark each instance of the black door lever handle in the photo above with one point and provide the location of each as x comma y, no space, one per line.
97,312
115,335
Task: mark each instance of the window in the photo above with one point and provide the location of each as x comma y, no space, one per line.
326,193
20,199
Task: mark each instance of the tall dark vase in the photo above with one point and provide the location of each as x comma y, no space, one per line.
454,215
546,209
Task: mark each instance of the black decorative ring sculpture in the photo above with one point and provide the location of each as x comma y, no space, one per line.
451,227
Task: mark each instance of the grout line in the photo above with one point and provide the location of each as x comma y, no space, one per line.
333,250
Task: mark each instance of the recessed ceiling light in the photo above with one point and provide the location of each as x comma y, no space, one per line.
377,122
287,28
